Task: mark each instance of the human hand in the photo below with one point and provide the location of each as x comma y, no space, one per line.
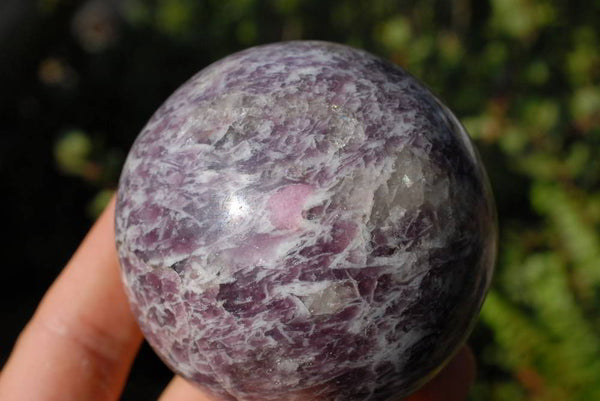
82,340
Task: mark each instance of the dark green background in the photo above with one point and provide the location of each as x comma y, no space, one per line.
79,79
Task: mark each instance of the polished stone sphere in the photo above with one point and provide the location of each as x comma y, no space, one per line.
305,221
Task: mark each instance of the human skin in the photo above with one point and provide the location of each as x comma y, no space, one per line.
82,340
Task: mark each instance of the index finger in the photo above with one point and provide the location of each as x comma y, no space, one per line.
81,341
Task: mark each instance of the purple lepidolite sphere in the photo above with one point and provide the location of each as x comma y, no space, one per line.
305,221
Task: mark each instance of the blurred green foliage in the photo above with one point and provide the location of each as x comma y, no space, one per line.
523,76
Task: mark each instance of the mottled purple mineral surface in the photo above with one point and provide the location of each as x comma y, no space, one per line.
305,221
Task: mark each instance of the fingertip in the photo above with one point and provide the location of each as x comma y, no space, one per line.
453,382
181,390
